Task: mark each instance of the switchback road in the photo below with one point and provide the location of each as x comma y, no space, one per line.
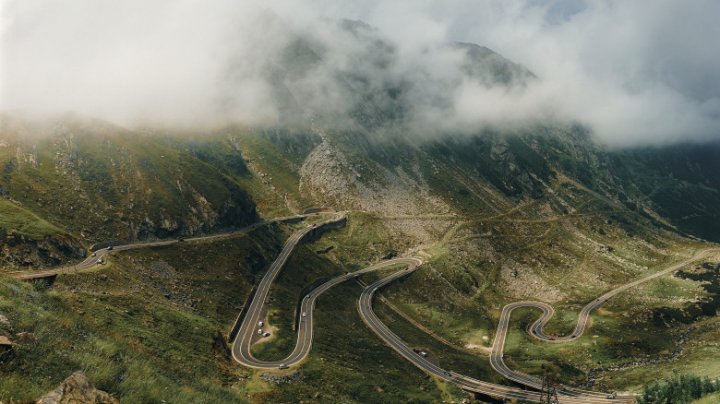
465,382
247,335
536,329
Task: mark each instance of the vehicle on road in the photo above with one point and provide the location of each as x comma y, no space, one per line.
283,366
110,248
423,354
260,323
304,314
260,331
100,261
266,334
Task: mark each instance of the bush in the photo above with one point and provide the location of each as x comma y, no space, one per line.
678,389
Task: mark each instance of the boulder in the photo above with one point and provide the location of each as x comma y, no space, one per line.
77,389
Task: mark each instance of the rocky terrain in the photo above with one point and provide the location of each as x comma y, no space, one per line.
17,250
538,212
87,181
77,389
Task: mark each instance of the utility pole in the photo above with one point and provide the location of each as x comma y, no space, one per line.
548,393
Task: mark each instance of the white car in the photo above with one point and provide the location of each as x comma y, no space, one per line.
260,323
304,314
260,331
266,334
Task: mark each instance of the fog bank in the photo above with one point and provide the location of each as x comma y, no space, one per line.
635,73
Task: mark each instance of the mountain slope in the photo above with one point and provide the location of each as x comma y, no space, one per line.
538,212
101,183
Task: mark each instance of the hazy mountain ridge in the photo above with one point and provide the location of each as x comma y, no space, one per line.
103,183
499,214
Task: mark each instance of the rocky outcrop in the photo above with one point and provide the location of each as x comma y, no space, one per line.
16,250
334,179
77,389
100,183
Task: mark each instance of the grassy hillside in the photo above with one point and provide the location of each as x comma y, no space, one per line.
147,327
542,214
103,181
681,182
15,218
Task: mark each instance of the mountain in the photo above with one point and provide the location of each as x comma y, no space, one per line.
679,181
77,181
498,215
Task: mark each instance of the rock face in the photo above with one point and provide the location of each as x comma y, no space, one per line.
77,389
68,181
334,179
19,251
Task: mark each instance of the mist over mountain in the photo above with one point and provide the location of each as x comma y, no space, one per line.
338,201
189,64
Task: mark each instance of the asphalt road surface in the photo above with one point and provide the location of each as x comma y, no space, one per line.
247,333
465,382
99,257
536,329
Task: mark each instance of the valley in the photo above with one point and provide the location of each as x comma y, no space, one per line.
561,243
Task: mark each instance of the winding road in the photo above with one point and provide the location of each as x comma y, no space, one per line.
257,307
583,322
464,382
97,258
247,334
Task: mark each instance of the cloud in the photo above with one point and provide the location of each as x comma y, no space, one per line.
634,73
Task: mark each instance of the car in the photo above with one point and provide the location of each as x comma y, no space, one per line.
375,290
260,323
266,334
100,261
423,354
260,331
109,248
94,254
283,366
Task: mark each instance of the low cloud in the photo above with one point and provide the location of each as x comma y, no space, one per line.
634,73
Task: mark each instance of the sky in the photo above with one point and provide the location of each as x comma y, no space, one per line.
634,72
